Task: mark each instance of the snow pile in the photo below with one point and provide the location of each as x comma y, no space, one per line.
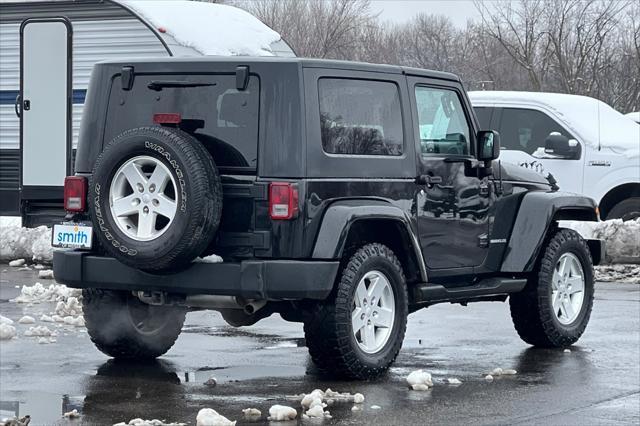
38,293
618,273
5,320
46,274
502,372
40,331
211,29
419,380
7,331
27,320
17,263
31,243
622,239
210,417
454,381
252,413
73,414
214,258
282,413
154,422
314,405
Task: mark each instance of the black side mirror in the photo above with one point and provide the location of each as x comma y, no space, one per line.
559,145
488,145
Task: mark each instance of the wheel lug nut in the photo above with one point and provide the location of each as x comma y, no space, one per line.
362,316
145,209
140,187
152,187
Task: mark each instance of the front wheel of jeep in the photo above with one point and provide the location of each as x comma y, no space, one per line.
357,333
554,308
123,327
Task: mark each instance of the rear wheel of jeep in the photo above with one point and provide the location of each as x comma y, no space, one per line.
554,308
357,333
121,326
155,198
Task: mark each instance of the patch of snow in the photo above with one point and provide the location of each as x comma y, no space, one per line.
496,372
376,407
73,414
154,422
419,380
211,29
567,351
618,273
7,331
214,258
16,263
40,331
211,382
71,307
46,318
252,413
46,274
317,411
356,408
32,243
39,266
282,413
358,398
622,244
488,378
38,293
210,417
454,381
509,372
27,320
5,320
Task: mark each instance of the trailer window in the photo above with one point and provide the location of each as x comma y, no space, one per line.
224,119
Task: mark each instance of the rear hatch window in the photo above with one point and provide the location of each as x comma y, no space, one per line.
223,118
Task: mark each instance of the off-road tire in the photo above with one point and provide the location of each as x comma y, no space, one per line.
628,209
531,309
328,329
199,199
111,327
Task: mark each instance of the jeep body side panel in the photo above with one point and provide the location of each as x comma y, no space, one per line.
537,212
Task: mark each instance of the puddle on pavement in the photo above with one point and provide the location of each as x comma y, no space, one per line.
43,407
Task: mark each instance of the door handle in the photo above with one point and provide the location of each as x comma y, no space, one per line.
428,179
16,105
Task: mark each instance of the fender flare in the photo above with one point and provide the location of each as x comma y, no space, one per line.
341,215
538,210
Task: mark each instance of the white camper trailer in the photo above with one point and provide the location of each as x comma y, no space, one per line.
47,52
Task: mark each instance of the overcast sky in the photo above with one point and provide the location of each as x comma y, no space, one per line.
399,11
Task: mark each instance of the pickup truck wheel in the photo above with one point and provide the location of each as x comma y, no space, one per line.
358,332
121,326
554,308
155,198
628,209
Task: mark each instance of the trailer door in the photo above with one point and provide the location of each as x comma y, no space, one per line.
45,107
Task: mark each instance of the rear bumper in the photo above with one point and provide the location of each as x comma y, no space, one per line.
251,279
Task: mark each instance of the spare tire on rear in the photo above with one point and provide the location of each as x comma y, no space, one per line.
155,198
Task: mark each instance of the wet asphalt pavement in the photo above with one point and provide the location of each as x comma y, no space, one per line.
598,382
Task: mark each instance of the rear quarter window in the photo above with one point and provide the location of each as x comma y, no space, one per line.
360,117
224,119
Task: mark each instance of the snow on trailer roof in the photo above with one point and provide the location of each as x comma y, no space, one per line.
581,114
211,29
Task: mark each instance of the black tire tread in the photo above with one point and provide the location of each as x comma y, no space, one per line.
328,330
101,306
530,309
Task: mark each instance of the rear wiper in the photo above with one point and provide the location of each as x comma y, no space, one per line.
158,85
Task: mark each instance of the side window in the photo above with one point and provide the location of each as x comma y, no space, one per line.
484,116
360,117
526,130
442,123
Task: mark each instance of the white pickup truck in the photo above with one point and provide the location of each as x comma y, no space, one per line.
587,146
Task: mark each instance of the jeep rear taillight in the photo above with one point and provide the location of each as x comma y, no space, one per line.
75,193
283,200
167,118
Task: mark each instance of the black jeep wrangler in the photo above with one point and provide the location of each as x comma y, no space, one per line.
341,195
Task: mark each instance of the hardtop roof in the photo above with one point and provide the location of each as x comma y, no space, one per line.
303,62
